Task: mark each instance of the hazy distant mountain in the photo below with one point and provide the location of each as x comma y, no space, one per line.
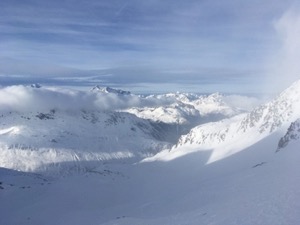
99,88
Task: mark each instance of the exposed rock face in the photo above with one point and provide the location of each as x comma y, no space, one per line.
293,133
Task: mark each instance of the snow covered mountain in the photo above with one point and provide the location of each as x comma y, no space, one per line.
33,141
231,135
187,109
107,124
42,127
199,181
255,186
99,88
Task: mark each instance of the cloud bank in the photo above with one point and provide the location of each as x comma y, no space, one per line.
26,98
33,99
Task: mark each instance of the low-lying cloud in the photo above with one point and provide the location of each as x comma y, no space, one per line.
32,99
27,98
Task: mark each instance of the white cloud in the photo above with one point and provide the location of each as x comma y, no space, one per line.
30,99
284,66
26,98
242,102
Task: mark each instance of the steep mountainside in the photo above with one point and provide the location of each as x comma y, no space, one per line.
292,134
231,135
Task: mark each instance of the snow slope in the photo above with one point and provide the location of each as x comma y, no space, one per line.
254,186
34,141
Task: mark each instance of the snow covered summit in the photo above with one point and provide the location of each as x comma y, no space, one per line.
99,88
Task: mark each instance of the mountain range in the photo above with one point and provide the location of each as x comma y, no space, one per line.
107,156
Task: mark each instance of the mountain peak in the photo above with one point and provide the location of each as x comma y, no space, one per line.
292,91
99,88
35,85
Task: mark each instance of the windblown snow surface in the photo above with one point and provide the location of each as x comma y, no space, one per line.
167,159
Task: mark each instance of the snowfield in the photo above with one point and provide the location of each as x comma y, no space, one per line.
178,159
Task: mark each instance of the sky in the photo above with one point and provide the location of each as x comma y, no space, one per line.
151,46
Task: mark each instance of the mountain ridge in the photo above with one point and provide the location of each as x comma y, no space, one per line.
242,130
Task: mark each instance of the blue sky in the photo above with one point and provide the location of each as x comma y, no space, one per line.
150,46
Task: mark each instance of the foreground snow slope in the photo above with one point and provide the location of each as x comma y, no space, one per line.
255,186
